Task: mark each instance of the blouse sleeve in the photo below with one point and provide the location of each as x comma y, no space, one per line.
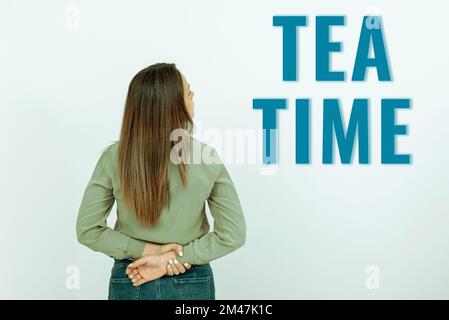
229,229
91,225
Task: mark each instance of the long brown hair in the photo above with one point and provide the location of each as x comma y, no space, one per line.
154,108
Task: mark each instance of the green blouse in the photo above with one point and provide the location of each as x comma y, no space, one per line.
184,221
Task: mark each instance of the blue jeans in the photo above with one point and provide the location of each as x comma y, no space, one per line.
197,283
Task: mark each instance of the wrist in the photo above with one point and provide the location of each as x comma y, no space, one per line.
151,249
169,255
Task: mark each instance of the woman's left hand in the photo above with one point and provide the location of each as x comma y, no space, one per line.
152,267
148,268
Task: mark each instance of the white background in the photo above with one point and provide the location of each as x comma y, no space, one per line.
313,230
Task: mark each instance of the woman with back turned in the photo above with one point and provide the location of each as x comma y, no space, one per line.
161,243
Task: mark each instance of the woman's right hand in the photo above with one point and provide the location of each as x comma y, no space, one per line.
174,268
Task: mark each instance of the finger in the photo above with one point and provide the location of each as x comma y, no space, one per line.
173,266
138,277
138,282
134,273
140,262
131,273
187,265
179,266
178,249
169,270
